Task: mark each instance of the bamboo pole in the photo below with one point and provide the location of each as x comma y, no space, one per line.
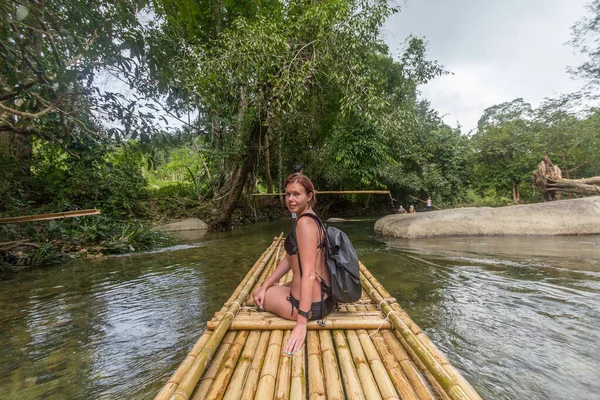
282,387
254,374
439,392
368,314
214,367
234,390
316,383
332,192
257,264
384,383
266,383
450,385
265,273
418,382
352,384
335,391
298,382
362,367
219,385
183,368
49,216
188,383
399,379
272,323
421,337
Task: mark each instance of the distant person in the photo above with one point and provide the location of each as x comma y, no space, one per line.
411,209
401,210
428,208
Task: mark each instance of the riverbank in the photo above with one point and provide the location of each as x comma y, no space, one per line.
57,242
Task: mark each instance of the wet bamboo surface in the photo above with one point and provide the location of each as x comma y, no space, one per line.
370,349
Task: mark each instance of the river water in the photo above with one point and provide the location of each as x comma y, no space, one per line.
519,317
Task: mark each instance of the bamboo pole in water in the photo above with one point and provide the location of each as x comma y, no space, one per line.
436,388
188,383
298,382
254,374
282,387
316,383
264,274
422,338
219,385
250,273
266,384
449,385
234,390
349,375
183,368
330,367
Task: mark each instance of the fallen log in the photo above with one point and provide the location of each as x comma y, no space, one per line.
549,182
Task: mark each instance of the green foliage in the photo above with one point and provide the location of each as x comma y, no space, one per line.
105,177
512,138
585,37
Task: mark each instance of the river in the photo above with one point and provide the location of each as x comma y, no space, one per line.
518,317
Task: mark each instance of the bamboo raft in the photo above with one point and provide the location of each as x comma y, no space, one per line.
370,349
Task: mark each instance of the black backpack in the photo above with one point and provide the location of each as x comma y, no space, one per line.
342,263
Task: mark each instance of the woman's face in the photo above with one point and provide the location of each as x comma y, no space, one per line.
296,197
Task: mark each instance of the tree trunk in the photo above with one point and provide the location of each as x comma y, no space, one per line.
280,168
18,149
267,162
239,176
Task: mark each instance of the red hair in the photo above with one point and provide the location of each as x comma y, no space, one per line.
306,184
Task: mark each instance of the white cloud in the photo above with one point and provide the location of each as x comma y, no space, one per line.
498,51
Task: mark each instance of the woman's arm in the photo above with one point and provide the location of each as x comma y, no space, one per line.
282,268
307,233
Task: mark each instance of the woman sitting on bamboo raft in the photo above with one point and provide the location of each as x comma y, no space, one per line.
304,297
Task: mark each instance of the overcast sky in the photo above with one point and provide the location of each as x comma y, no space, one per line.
497,50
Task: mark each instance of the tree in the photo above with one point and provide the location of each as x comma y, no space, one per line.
506,146
268,67
585,37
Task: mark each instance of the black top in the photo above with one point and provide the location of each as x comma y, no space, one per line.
291,243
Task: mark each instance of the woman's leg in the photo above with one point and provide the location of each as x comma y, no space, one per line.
276,302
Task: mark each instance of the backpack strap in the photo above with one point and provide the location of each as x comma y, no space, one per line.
324,287
320,224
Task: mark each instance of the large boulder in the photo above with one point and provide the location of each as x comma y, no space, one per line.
190,224
563,217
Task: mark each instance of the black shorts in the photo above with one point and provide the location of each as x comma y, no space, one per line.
318,312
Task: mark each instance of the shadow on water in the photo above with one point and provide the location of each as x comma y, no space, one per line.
517,316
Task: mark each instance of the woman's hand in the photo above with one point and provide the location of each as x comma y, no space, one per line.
259,297
296,339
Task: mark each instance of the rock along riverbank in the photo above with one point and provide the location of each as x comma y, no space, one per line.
563,217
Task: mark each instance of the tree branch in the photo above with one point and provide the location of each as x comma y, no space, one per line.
26,114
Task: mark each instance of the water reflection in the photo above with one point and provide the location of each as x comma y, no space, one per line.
518,316
519,324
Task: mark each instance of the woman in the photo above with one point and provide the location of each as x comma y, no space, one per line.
302,298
